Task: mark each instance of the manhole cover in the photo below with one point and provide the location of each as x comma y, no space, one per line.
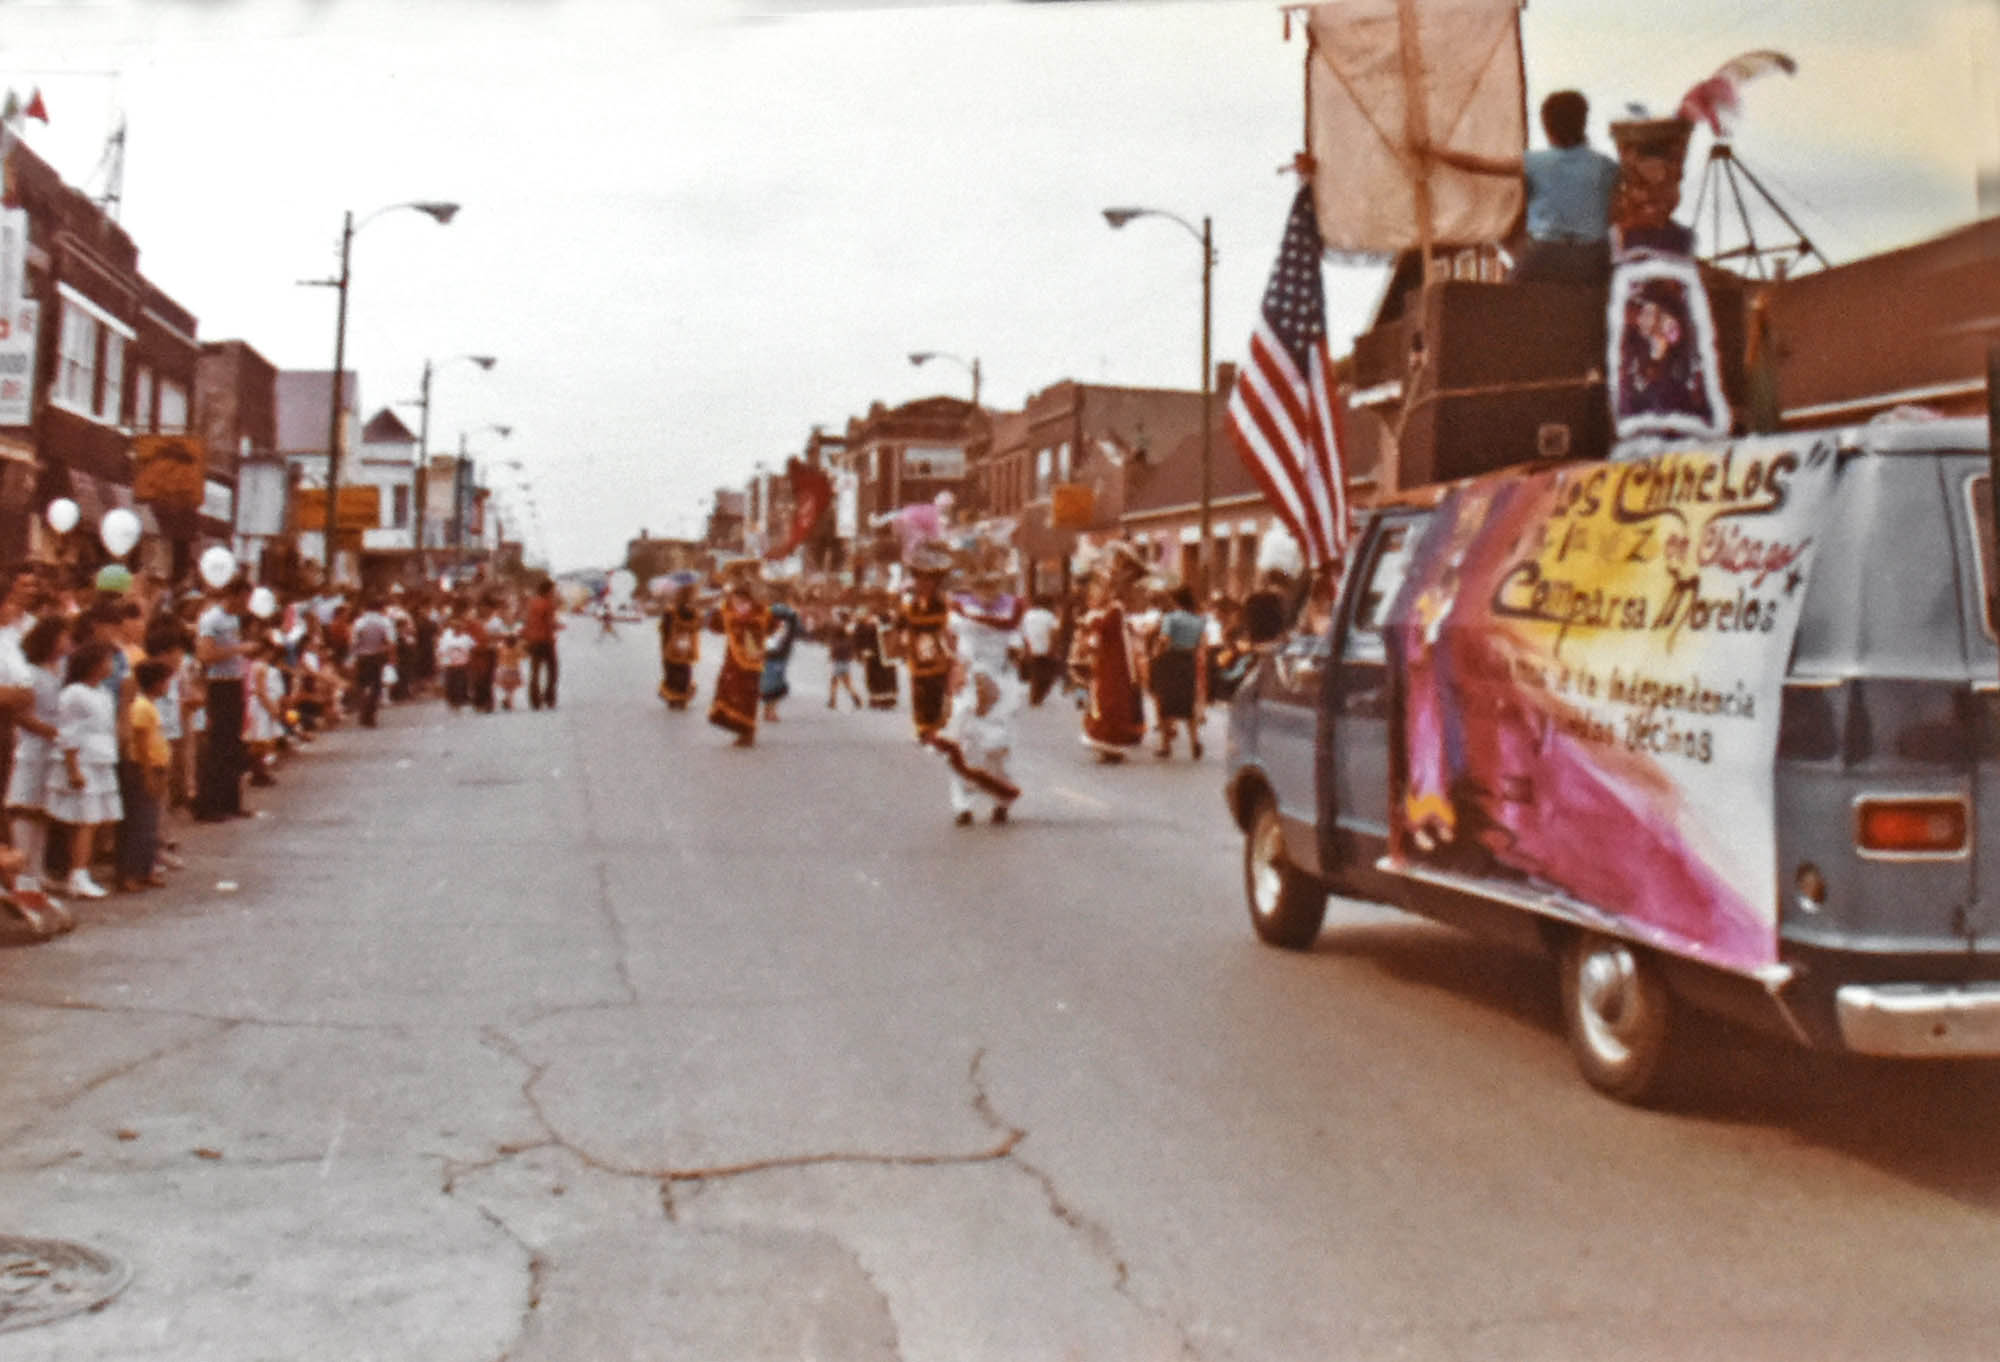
46,1279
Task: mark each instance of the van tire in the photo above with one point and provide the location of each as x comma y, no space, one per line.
1617,1011
1286,907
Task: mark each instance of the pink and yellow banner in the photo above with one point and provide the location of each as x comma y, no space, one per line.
1592,662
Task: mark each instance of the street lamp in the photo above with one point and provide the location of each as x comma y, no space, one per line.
443,212
1118,217
919,357
422,488
461,481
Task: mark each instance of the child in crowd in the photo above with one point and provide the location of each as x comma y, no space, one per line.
45,645
264,688
147,755
454,652
508,677
82,786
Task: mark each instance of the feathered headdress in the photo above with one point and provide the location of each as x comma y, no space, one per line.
1718,101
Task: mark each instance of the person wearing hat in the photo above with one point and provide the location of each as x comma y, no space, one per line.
680,647
744,624
1114,720
927,643
986,695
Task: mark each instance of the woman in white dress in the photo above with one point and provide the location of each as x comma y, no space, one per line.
82,784
45,646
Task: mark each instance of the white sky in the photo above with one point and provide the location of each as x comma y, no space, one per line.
692,230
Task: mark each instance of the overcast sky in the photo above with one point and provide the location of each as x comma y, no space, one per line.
694,230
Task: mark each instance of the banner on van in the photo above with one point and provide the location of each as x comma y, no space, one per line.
1592,662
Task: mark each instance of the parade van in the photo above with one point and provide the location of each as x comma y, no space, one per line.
1717,724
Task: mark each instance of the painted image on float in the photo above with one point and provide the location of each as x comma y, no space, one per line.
1592,662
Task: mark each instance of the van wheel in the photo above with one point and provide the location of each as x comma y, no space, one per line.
1286,907
1616,1009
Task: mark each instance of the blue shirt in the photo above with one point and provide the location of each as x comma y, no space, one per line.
1569,193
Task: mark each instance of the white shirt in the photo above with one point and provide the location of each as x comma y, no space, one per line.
1038,628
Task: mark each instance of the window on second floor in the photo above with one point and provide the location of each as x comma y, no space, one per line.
173,407
143,417
399,506
76,378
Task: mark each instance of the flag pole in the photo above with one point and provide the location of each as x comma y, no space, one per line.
1416,126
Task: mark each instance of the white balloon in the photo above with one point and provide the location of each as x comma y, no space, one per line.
63,515
622,582
263,603
217,566
119,530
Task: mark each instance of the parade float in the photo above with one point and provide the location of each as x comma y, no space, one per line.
1645,652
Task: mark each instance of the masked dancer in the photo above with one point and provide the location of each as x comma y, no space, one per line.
743,623
680,647
925,625
976,740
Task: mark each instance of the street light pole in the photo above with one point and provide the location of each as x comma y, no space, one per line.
443,213
329,534
920,357
1118,217
421,492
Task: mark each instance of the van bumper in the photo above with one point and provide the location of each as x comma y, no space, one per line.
1916,1020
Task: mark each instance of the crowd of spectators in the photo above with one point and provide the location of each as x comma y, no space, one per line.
129,708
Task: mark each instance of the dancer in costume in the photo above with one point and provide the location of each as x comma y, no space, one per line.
680,648
773,685
925,627
985,624
874,644
743,623
1114,720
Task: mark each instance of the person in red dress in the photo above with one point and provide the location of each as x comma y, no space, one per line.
1114,720
744,623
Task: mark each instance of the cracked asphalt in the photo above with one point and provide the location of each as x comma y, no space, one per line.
584,1036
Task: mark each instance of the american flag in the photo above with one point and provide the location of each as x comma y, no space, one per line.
1282,414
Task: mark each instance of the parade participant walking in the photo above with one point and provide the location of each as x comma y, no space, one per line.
924,623
744,624
1114,720
979,735
220,650
508,677
772,685
1044,663
874,630
1179,672
455,662
680,647
538,632
840,658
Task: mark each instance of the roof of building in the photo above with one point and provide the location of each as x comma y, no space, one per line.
305,399
387,428
1162,484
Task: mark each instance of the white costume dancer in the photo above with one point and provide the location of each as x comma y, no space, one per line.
976,740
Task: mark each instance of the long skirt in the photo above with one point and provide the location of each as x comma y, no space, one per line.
1173,684
735,704
676,684
882,685
929,702
772,685
1117,714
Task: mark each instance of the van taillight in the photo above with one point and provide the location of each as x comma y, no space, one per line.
1911,827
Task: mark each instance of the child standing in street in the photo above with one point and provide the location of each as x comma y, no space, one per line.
840,655
508,677
82,788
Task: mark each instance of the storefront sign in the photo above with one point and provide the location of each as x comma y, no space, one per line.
218,502
360,508
17,364
167,470
1602,647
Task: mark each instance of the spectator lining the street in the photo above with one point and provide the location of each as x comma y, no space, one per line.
143,791
82,787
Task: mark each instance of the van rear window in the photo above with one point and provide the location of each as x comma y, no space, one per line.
1979,492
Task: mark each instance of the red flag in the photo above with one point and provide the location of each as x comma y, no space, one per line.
1283,414
36,109
812,493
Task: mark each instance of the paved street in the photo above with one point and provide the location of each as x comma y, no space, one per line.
585,1036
